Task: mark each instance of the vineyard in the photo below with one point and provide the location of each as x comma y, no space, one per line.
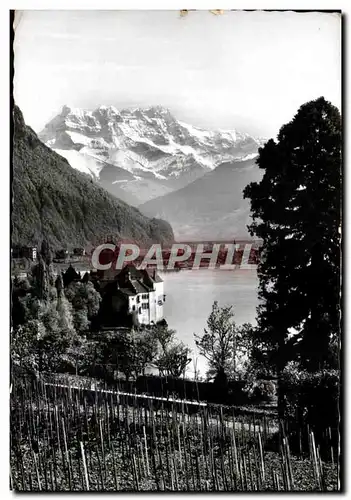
73,439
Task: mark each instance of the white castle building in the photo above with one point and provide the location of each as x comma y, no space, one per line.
139,292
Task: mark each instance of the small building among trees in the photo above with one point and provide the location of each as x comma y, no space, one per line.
78,252
61,254
24,252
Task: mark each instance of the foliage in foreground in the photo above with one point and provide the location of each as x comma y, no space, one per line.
312,399
52,319
131,352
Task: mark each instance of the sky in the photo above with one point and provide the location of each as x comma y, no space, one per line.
249,71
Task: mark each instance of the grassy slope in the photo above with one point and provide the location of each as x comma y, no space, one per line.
52,200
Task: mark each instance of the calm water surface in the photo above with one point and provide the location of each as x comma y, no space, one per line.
190,295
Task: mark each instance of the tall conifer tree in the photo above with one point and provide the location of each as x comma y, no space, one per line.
296,210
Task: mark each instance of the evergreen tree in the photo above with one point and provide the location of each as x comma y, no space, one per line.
41,279
296,212
59,285
45,252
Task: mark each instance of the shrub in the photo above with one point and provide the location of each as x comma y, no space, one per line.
260,390
311,400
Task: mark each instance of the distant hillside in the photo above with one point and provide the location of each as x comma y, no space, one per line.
52,200
210,207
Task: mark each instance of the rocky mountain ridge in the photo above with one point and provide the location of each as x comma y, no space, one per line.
139,154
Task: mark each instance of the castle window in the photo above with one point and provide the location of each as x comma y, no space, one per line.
145,305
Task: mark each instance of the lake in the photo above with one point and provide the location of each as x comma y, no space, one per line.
190,295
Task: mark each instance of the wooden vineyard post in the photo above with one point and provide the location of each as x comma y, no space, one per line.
85,466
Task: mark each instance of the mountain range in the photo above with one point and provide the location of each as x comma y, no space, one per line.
51,200
140,154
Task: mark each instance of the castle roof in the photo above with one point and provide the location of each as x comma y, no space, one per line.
136,280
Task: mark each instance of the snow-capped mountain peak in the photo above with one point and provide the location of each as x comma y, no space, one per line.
148,143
